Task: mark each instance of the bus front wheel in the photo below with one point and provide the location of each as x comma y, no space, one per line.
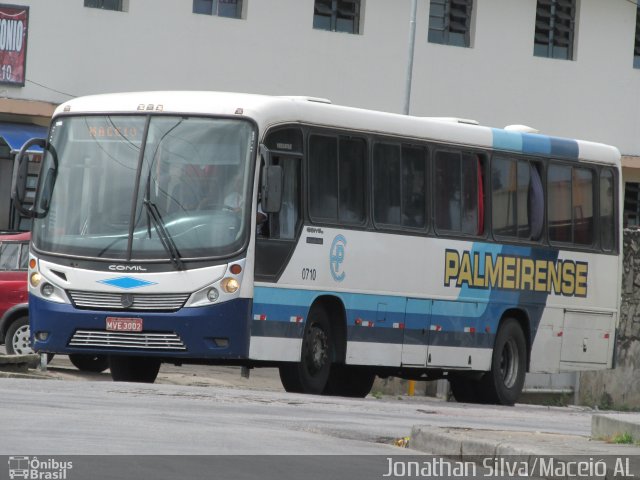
311,373
503,383
89,363
134,369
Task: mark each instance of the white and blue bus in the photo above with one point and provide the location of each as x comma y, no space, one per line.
333,243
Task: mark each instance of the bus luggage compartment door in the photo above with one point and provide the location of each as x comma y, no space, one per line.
587,338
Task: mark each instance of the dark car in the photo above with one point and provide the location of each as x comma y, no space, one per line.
14,302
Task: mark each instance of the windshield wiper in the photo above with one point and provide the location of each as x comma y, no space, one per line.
165,238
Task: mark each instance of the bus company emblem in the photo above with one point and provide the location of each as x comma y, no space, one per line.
126,300
126,283
336,257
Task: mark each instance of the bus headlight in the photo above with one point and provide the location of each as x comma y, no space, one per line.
35,279
230,285
213,294
47,289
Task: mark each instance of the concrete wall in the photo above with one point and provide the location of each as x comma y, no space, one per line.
620,388
161,44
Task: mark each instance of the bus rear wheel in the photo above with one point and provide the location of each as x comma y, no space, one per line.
503,383
134,369
310,375
349,381
465,390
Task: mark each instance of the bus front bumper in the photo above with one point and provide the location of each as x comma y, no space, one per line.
218,331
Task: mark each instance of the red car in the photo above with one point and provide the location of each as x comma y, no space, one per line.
14,303
14,299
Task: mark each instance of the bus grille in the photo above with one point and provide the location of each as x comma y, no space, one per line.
141,301
145,341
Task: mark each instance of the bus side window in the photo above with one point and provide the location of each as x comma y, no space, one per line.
583,206
414,180
459,193
336,172
323,169
386,178
535,204
559,192
517,199
283,224
447,191
607,210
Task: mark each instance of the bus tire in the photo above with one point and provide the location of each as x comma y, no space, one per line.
89,363
311,373
349,381
503,383
134,369
465,390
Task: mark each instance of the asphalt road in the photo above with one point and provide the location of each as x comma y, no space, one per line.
212,410
196,420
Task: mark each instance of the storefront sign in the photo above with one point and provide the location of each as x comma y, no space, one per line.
14,21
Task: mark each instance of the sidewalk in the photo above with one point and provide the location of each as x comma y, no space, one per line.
465,444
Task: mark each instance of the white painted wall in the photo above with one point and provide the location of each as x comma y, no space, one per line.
160,44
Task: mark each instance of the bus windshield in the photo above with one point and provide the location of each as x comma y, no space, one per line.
147,187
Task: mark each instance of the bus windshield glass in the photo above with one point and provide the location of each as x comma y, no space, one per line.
147,188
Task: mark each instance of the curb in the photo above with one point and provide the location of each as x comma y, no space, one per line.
463,444
613,424
458,443
19,363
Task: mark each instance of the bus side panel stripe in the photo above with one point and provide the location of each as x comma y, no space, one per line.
505,140
532,302
535,144
562,147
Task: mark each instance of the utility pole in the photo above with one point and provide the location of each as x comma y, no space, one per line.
412,43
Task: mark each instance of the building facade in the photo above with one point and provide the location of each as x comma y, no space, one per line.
564,67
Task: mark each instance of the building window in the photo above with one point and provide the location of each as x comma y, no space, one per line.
337,15
449,22
636,49
555,28
105,4
631,204
220,8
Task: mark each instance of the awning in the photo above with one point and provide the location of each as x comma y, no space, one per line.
16,135
629,161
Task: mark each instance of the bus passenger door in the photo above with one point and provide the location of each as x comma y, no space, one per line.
277,237
417,321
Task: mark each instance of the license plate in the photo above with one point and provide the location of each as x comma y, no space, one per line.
118,324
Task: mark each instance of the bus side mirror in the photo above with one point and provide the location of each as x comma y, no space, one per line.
271,188
21,174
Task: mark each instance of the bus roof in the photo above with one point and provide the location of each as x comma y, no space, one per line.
273,110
